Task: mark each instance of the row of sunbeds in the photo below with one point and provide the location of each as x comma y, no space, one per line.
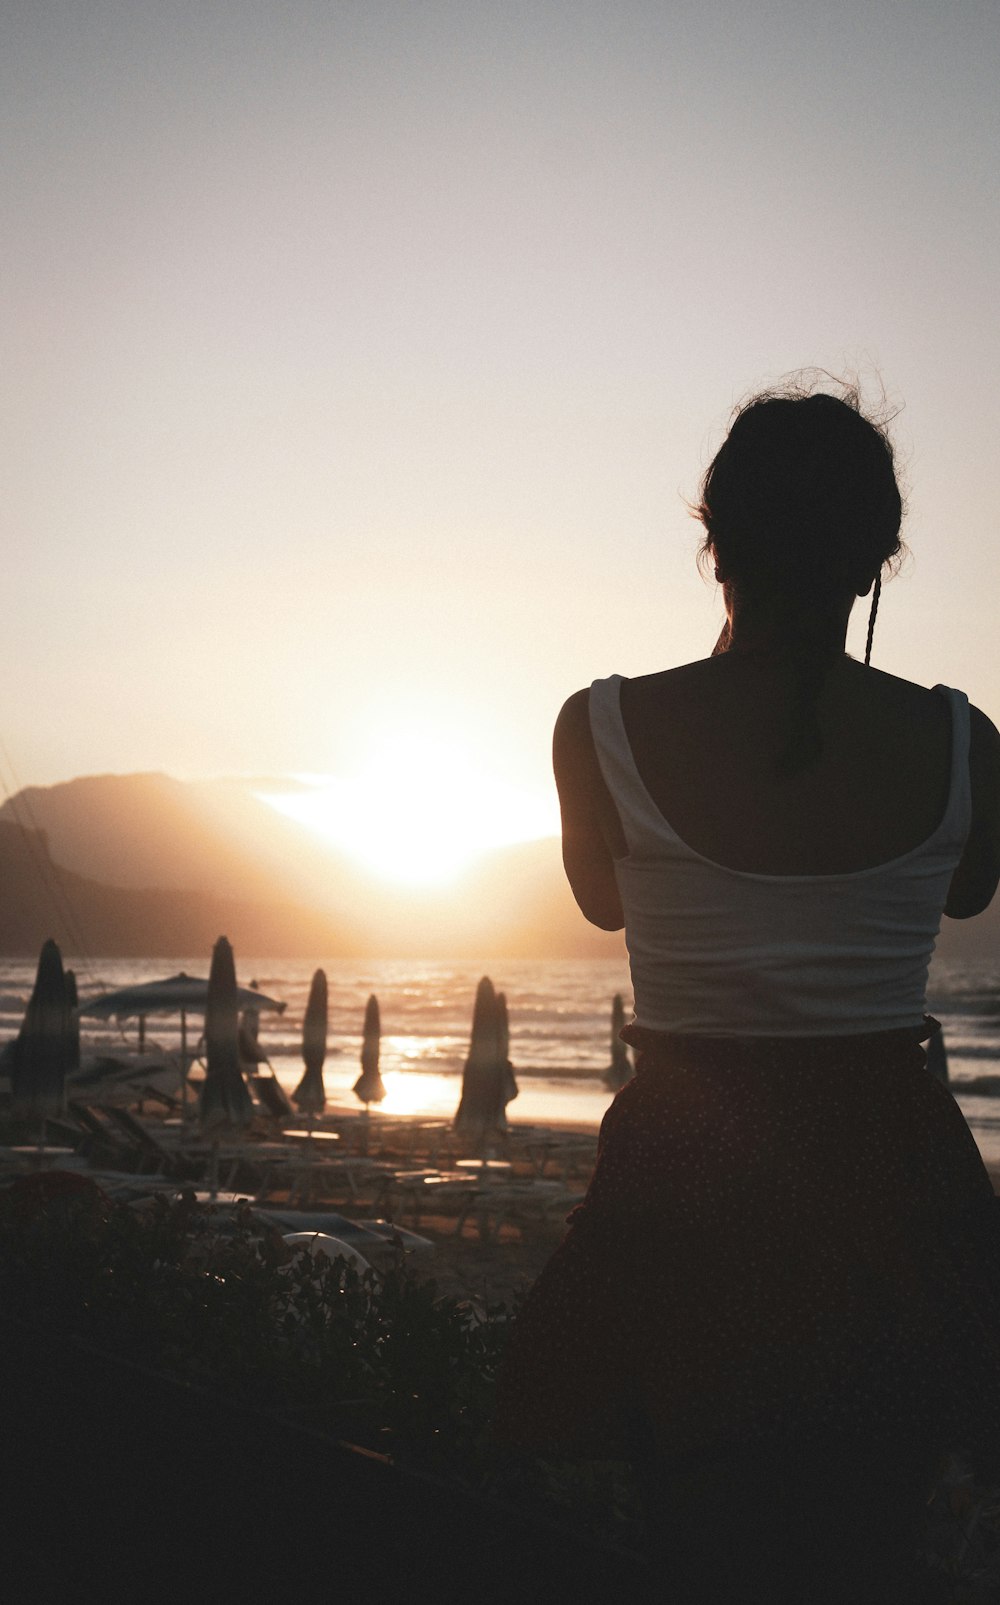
406,1170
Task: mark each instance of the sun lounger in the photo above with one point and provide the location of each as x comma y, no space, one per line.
411,1242
167,1162
272,1096
431,1139
416,1193
67,1133
103,1143
523,1203
316,1177
311,1220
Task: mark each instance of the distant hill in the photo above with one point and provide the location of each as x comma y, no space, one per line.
148,831
165,847
160,867
40,898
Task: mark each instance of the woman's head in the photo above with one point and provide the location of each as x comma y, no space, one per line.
801,500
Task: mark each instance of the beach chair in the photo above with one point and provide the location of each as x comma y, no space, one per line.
524,1204
416,1193
176,1163
314,1178
271,1094
67,1134
101,1142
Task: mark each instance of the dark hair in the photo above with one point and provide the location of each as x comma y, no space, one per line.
800,503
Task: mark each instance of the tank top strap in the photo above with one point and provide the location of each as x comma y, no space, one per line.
958,814
639,815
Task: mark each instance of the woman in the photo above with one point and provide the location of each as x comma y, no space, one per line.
779,1296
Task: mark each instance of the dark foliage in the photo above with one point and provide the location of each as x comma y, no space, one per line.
377,1358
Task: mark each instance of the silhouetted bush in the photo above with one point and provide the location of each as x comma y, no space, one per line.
379,1358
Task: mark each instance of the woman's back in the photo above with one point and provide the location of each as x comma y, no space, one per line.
788,942
878,788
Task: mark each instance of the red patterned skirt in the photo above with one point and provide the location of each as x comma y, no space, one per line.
779,1238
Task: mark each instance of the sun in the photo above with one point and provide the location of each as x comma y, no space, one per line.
419,810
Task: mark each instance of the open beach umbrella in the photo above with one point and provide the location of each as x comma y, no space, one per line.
620,1069
225,1102
177,994
370,1087
310,1094
43,1050
482,1106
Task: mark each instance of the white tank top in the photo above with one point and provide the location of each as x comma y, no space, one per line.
726,952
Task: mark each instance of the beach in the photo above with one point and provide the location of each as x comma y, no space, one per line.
480,1214
560,1028
560,1045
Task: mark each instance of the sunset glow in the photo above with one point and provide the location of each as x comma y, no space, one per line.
419,810
368,354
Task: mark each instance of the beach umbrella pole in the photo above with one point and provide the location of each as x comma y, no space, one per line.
184,1069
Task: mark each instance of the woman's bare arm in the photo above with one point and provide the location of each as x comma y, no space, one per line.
592,836
978,873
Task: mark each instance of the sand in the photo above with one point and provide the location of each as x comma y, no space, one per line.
490,1272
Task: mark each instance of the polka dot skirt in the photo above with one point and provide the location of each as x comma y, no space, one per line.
778,1237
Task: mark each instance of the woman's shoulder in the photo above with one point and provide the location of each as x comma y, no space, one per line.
575,711
573,720
923,703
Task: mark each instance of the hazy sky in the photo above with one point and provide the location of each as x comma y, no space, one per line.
358,355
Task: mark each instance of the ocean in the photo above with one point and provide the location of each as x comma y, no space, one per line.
560,1025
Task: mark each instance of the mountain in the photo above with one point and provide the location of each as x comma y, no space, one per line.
40,898
135,851
148,830
160,867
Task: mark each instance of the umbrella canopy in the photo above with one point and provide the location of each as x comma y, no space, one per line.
482,1107
370,1087
43,1050
310,1094
178,994
225,1102
620,1069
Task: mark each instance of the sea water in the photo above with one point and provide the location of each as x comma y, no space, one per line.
560,1027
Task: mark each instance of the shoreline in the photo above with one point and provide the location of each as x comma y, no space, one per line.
572,1127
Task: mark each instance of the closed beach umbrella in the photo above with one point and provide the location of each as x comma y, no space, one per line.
43,1049
225,1102
503,1040
482,1105
620,1069
310,1094
369,1086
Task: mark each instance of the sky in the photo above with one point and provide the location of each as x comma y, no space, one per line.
359,356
